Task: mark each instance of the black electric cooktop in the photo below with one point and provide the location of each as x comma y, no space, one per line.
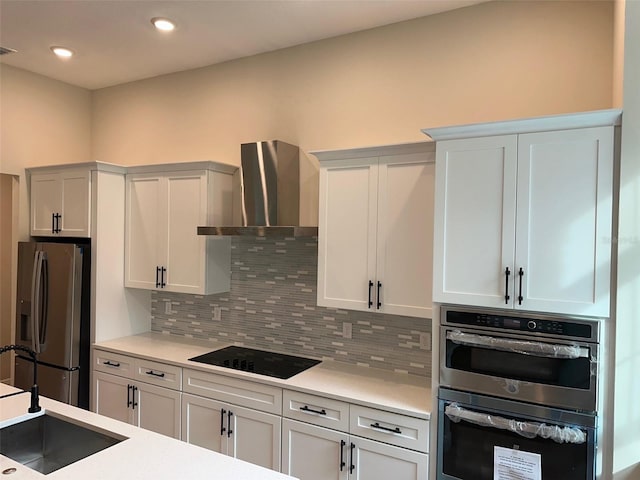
261,362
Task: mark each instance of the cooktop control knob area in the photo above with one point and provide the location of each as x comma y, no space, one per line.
531,325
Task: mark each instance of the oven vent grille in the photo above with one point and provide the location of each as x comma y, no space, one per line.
7,50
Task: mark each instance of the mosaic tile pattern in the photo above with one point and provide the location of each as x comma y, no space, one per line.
272,305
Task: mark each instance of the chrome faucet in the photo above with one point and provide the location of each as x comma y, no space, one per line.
35,407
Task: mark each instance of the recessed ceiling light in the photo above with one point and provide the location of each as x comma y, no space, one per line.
163,24
62,52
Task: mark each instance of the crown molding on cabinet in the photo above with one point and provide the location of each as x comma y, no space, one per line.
597,118
374,151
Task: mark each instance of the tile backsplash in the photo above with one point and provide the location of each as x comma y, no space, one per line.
272,305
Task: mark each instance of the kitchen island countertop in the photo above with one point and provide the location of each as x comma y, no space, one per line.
142,455
396,392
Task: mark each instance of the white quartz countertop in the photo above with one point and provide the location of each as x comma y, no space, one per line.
142,455
395,392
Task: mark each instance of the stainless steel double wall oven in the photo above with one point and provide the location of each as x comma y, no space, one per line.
520,383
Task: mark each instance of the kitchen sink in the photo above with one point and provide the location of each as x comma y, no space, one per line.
47,443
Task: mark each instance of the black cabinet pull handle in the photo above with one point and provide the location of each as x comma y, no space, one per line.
352,466
506,285
134,389
129,401
386,429
53,223
520,274
151,372
229,431
222,415
311,410
58,217
162,272
342,462
157,277
370,287
379,303
111,364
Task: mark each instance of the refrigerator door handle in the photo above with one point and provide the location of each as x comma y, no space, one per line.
44,310
35,296
39,300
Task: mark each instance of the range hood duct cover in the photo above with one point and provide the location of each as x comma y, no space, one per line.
270,188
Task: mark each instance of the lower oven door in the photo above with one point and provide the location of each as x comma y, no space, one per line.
489,438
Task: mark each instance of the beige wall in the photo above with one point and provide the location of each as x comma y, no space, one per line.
8,221
491,61
42,122
626,441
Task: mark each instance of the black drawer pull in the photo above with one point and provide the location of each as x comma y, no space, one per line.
506,285
229,430
342,462
111,364
386,429
378,302
151,372
134,389
370,304
352,466
129,401
311,410
520,298
222,415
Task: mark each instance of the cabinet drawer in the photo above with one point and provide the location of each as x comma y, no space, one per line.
160,374
316,410
400,430
113,363
239,392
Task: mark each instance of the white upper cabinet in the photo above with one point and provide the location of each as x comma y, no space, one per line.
61,203
163,211
524,220
375,229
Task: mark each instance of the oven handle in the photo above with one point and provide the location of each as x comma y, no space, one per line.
526,429
525,347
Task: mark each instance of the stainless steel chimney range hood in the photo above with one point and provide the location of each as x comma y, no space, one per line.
270,190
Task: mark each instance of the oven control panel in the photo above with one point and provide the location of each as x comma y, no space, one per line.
563,328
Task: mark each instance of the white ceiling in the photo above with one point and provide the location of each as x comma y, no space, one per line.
115,42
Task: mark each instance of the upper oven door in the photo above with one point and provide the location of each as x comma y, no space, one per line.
548,372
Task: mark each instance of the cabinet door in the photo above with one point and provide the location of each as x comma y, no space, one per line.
255,437
158,409
75,208
111,396
203,423
378,461
475,221
405,235
145,230
565,182
347,235
314,453
185,249
46,200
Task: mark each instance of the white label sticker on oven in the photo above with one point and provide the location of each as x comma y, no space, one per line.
510,464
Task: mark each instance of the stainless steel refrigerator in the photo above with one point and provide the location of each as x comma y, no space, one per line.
53,319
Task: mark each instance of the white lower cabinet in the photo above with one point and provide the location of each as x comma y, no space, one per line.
118,392
311,451
301,434
239,432
236,417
